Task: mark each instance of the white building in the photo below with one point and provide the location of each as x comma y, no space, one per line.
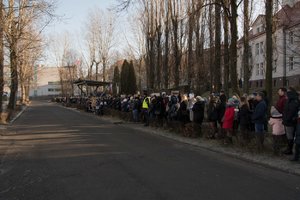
46,82
286,45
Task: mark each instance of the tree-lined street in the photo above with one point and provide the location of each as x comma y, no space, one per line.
54,153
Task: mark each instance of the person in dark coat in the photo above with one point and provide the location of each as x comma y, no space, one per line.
183,114
212,115
290,114
297,140
259,119
198,110
244,119
221,107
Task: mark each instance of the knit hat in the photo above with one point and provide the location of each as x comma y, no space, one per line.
199,98
231,102
275,112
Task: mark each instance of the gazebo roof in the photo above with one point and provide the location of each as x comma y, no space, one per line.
91,83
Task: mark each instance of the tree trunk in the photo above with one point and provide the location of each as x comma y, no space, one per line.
269,49
166,57
246,55
13,65
217,72
226,55
233,47
1,56
158,59
190,64
211,48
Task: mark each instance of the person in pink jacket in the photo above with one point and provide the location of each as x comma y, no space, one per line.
228,119
278,131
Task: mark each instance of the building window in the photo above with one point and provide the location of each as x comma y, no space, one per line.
275,83
50,90
291,63
291,37
257,84
257,69
262,69
261,83
287,83
258,30
257,49
261,47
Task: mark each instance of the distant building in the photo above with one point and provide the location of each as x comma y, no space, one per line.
46,82
286,48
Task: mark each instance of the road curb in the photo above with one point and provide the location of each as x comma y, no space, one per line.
18,115
264,160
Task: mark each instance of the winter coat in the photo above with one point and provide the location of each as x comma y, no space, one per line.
280,103
290,111
277,126
297,138
212,112
228,118
198,110
183,114
244,116
221,111
259,115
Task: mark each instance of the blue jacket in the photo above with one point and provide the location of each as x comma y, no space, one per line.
259,115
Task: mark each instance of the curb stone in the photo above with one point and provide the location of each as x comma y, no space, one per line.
265,160
18,115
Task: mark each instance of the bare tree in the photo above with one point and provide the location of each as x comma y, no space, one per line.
19,17
269,49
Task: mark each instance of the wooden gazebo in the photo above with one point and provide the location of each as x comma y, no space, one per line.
94,85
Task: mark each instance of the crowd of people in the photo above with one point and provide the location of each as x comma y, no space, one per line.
244,117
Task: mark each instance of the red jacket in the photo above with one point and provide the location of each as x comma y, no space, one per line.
280,103
228,118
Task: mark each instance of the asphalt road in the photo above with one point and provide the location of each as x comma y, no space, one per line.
55,153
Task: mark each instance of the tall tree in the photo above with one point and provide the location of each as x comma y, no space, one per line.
116,80
1,54
190,64
217,65
246,54
226,55
211,28
131,79
269,49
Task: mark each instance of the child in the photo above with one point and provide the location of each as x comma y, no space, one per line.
228,120
277,129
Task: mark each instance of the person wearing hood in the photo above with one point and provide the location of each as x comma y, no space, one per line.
290,114
228,120
198,110
277,129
